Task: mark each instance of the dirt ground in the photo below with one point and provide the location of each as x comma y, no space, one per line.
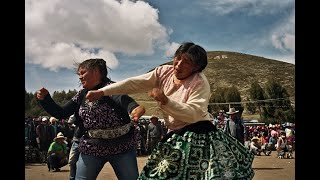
265,168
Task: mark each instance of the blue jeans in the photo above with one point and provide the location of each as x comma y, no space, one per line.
124,165
73,158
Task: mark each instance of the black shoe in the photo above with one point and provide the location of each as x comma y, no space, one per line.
49,167
56,170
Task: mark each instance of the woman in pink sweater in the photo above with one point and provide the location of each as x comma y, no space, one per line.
194,148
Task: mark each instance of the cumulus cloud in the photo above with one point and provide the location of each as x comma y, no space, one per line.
281,39
250,7
284,41
283,35
59,32
171,49
56,55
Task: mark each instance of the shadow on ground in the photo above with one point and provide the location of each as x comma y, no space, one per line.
266,168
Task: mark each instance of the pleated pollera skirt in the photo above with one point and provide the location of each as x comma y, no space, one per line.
199,151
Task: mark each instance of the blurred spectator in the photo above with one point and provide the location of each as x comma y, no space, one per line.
154,133
234,125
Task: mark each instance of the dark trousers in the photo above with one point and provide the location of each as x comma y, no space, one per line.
54,161
153,142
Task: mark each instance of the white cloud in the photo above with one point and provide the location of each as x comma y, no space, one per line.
59,32
56,55
283,35
284,41
280,37
251,7
171,49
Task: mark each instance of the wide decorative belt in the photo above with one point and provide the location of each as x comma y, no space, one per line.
110,133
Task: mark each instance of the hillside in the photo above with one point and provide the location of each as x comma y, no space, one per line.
231,68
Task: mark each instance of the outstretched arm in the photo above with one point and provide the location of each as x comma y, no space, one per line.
137,84
53,108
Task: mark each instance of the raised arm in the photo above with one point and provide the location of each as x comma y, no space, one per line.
53,108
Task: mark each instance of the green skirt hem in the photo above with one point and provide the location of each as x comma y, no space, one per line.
214,155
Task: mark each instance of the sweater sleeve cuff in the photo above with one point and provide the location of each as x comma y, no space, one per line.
168,105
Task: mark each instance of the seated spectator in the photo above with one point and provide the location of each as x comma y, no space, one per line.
57,153
282,142
289,133
273,141
255,146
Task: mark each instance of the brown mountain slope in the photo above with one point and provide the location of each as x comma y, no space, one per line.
231,68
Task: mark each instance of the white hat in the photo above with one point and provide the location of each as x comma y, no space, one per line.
288,124
59,136
154,116
232,111
44,119
53,119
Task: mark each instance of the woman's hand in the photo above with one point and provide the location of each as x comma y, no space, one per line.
159,96
137,112
94,95
41,93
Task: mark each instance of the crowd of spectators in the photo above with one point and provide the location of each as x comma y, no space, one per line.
41,131
260,137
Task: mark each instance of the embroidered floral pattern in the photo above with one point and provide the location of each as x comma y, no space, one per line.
165,163
215,155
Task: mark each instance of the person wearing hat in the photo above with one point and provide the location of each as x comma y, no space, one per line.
54,128
154,133
255,146
43,138
57,153
289,133
234,125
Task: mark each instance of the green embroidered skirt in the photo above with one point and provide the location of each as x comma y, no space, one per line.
199,152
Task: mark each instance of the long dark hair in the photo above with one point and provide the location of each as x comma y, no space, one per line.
195,52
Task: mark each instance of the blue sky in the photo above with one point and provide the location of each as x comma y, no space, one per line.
136,36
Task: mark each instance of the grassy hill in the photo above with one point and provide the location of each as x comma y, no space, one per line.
231,68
